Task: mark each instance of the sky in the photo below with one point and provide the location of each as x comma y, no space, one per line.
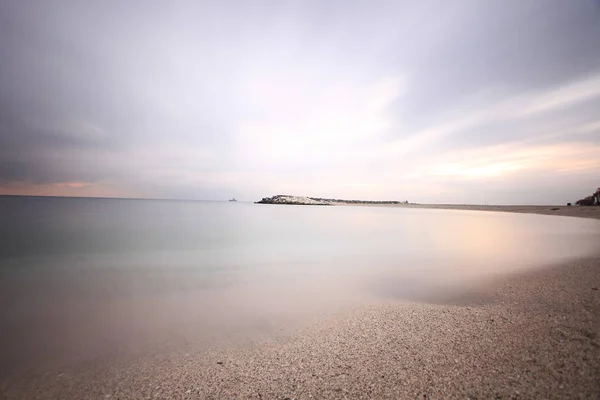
465,101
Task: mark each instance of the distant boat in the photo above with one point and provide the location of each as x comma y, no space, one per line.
232,199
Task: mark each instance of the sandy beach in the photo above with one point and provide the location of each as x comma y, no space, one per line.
565,211
529,336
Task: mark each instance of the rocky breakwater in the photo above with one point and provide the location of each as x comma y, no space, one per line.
318,201
296,200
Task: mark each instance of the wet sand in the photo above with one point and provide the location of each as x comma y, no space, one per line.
533,335
566,211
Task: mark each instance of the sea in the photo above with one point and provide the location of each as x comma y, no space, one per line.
88,279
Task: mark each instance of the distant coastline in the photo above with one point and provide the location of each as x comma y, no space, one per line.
565,211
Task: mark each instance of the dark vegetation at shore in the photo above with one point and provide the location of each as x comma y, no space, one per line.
592,200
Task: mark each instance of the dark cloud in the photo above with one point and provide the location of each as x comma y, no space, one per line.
575,123
507,46
37,152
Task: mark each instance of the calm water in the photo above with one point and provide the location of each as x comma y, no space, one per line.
84,279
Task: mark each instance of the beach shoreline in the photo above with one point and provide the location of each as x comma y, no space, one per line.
592,212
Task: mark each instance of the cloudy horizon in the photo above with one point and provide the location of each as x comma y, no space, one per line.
428,101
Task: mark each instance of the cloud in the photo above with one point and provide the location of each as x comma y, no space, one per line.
562,97
317,127
78,189
381,100
500,161
517,106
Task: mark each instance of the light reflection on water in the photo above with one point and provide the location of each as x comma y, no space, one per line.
84,278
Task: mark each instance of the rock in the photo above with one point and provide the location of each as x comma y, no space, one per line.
592,200
587,201
288,199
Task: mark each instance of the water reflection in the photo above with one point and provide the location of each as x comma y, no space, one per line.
130,277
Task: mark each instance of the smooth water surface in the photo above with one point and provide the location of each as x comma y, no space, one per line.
84,279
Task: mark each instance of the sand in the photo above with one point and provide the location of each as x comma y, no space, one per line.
566,211
531,336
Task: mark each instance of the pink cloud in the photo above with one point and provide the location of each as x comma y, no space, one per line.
67,189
